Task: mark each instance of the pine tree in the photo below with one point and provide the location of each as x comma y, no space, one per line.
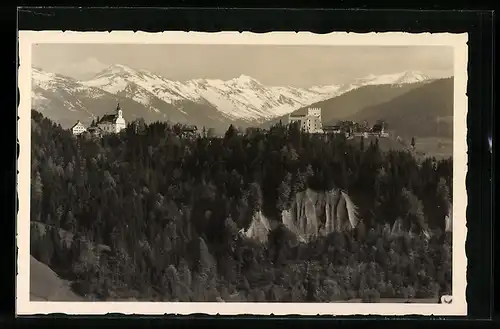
172,282
36,197
71,223
230,133
284,191
47,248
442,201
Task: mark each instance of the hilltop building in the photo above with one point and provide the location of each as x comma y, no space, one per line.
379,129
78,128
335,129
354,129
112,123
190,131
309,122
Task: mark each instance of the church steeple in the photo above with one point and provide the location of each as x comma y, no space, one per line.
119,112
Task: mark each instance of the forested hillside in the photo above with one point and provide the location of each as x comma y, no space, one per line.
171,210
426,111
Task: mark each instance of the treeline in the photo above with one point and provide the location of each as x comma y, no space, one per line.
169,209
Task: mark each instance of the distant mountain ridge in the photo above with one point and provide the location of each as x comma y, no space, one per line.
422,109
355,99
67,100
241,101
242,98
425,111
398,79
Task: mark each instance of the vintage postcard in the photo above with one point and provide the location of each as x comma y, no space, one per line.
239,173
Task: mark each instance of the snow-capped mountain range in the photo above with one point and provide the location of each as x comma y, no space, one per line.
204,101
240,98
401,78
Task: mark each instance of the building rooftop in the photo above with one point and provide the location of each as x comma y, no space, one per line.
76,124
108,118
332,128
190,128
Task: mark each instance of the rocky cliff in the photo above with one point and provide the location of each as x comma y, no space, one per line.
310,215
449,220
259,227
315,214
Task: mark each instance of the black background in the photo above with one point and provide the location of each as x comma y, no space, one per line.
480,177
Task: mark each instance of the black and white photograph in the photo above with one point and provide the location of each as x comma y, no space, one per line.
251,172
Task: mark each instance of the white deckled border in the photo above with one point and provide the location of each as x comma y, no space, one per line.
459,43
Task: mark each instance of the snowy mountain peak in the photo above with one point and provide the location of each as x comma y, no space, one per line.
244,80
81,70
399,78
412,77
50,81
41,75
115,69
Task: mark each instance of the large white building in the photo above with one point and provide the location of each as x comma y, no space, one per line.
78,128
309,122
112,123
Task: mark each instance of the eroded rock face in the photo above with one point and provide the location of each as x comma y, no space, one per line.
398,228
259,228
449,220
310,215
315,214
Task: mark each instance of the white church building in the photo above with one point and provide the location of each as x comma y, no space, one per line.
109,123
112,123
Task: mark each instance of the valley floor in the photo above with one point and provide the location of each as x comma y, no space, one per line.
46,285
440,148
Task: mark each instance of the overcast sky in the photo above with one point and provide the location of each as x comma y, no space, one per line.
301,66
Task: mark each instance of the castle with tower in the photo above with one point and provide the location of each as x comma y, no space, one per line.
309,122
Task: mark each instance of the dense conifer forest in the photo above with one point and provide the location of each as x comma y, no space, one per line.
155,215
